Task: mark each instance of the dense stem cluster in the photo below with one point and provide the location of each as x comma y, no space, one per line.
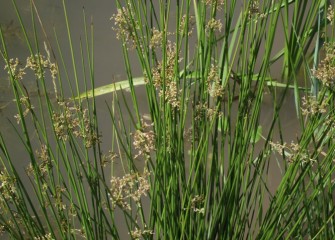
195,159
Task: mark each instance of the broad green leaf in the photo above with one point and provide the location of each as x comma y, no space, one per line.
122,85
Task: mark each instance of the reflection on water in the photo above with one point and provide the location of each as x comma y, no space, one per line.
11,31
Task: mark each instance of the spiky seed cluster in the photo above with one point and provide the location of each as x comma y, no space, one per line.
47,236
214,86
197,204
171,94
130,186
28,107
7,187
167,72
38,63
65,224
87,132
326,69
10,223
144,140
58,196
66,121
79,231
125,26
202,111
214,25
219,3
183,27
330,14
293,152
254,8
45,162
72,210
108,158
73,120
138,234
156,38
311,106
53,69
14,70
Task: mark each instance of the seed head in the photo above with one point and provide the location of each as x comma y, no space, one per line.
125,26
219,3
144,140
130,186
330,14
156,38
311,106
214,25
326,69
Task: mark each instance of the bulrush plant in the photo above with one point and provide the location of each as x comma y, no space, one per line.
194,157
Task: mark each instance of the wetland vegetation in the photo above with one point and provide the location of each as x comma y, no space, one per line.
193,160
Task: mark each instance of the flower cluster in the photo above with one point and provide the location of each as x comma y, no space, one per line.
79,231
7,187
219,3
330,14
25,102
14,70
183,27
253,8
137,234
197,204
293,152
214,25
165,73
326,69
74,120
43,155
108,158
215,88
47,236
130,186
38,63
144,140
311,106
156,38
58,196
125,25
53,69
203,111
2,229
66,121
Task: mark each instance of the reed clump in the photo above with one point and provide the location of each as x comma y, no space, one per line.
194,160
